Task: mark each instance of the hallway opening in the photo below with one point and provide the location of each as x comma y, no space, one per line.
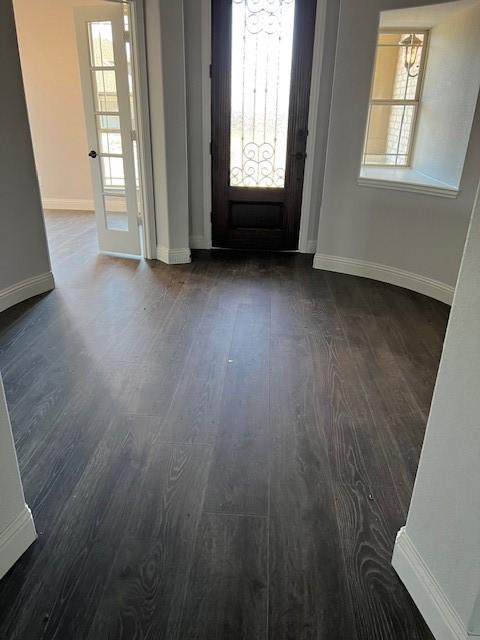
80,65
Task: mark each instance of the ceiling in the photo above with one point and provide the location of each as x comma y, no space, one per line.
427,16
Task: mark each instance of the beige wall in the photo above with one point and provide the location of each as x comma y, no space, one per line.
48,52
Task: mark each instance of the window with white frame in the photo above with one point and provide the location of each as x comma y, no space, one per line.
395,97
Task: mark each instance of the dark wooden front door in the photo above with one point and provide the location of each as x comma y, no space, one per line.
261,71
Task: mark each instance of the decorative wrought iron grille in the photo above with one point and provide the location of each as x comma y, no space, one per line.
262,40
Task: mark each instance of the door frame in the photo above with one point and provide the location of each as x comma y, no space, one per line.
304,244
144,139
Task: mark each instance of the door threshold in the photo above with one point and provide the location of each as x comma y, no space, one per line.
251,250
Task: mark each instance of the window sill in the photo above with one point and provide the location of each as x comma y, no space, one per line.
405,179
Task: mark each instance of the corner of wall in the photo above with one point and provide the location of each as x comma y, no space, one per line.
25,289
173,256
425,590
16,539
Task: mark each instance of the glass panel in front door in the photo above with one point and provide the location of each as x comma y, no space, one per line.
106,105
262,41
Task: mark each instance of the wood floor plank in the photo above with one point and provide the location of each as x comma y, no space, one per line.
391,345
138,600
194,413
144,593
308,595
417,343
308,598
170,495
295,425
390,394
318,304
22,324
381,605
227,590
401,440
85,394
238,481
354,445
73,566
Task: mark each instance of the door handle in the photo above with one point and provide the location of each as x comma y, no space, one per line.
93,154
299,155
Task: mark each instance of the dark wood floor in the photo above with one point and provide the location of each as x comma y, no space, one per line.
218,450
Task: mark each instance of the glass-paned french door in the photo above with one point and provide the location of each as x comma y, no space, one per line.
261,70
104,47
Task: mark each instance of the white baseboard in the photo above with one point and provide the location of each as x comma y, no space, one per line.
310,247
384,273
26,289
16,539
426,592
198,242
173,256
68,204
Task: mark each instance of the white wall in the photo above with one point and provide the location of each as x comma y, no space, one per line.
411,239
438,553
194,76
167,95
323,115
450,91
48,51
24,260
173,52
12,501
17,531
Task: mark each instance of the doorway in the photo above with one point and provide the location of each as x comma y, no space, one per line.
261,72
84,73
